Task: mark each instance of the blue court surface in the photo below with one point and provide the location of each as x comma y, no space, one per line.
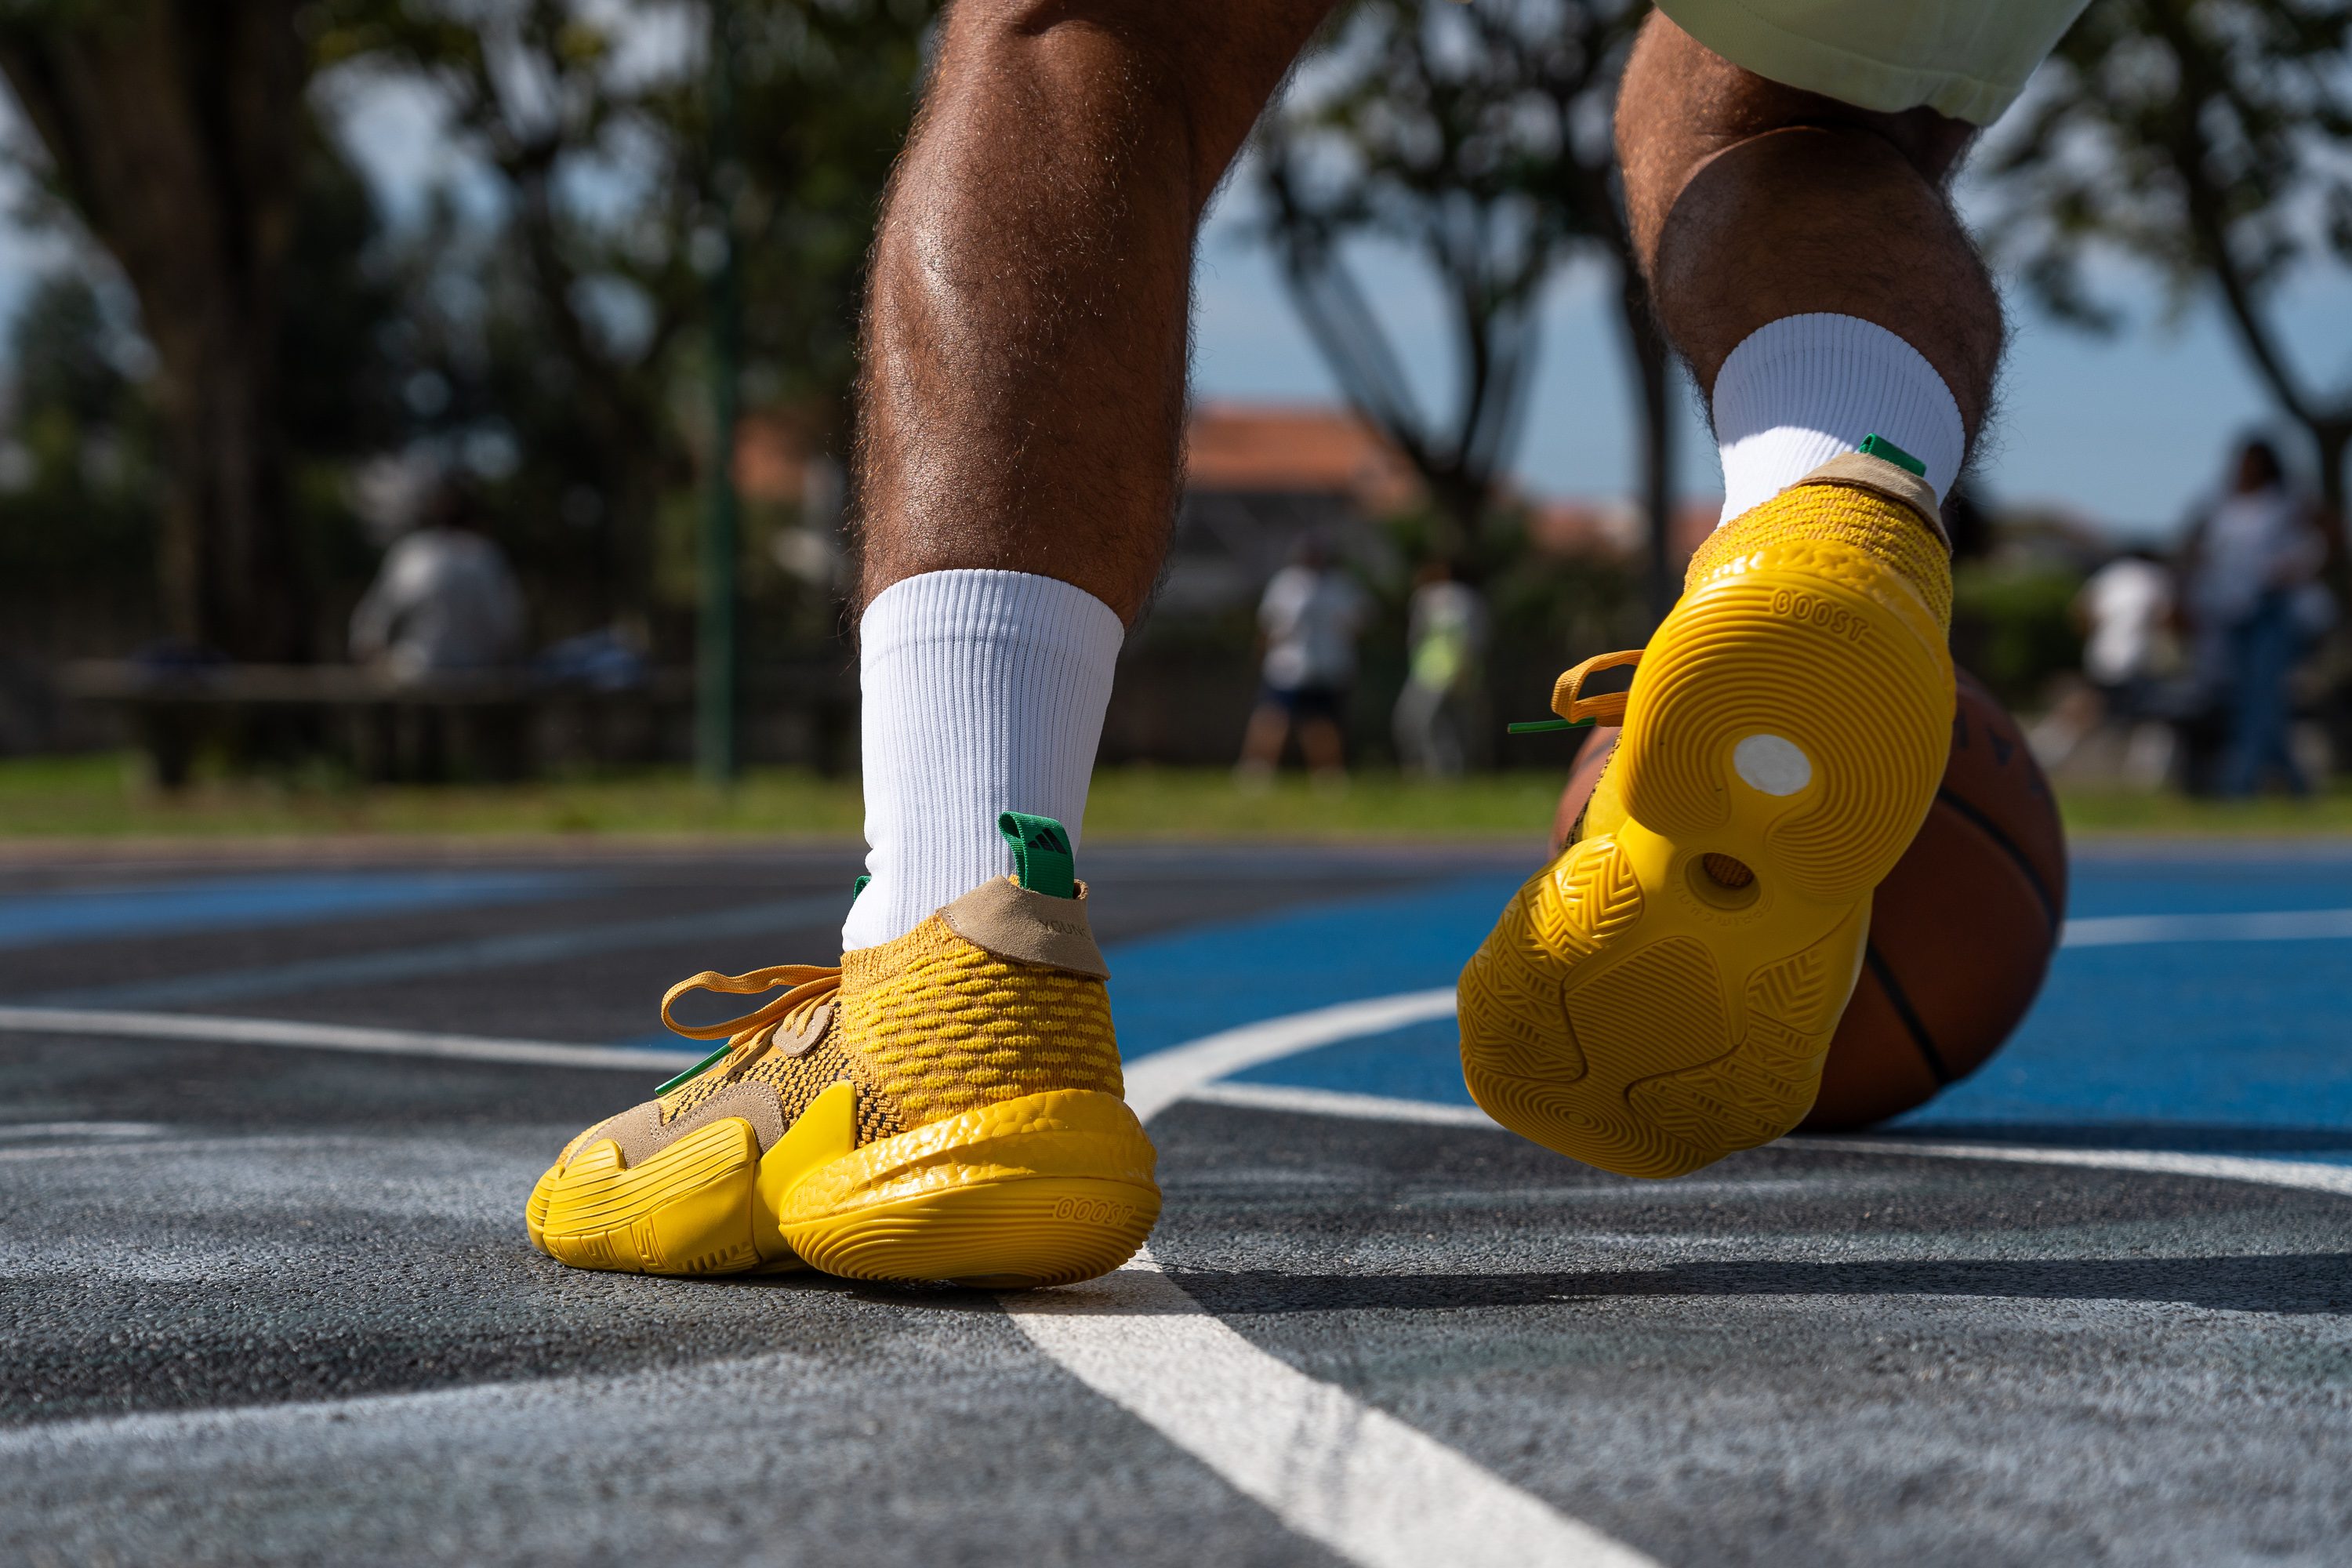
251,903
266,1129
2182,1033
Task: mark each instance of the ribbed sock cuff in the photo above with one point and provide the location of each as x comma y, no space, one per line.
1801,390
984,693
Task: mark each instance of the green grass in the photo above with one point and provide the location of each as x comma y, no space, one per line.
2120,811
100,797
54,798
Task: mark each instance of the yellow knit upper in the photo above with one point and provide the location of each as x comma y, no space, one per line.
942,1026
1844,514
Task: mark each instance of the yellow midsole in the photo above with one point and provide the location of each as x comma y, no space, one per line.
712,1204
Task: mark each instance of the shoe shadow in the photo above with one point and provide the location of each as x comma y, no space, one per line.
935,1296
2291,1283
2302,1283
2199,1138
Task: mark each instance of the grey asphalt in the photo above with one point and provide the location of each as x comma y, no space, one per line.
275,1305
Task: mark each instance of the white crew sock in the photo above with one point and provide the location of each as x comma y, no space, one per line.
984,692
1799,390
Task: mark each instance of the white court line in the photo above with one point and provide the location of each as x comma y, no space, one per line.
1335,1470
154,1148
2307,1175
1352,1476
1340,1472
1356,1480
25,1131
511,951
1334,1103
2303,1173
1159,1080
2269,925
208,1030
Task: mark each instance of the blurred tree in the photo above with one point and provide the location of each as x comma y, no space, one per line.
1477,137
171,127
78,485
2211,140
559,333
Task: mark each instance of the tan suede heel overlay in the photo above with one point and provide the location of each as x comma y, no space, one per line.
640,1133
1011,922
1882,478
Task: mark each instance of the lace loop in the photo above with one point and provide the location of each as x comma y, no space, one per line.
1567,698
807,985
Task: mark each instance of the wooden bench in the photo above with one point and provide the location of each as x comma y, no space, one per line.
470,724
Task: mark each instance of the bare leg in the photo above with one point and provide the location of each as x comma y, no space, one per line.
1025,337
1269,727
1751,202
1322,746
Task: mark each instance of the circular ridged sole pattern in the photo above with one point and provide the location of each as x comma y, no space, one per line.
1804,646
1628,1010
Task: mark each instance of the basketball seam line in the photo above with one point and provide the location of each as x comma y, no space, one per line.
2009,847
1901,1001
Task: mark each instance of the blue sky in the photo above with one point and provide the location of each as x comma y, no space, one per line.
2129,432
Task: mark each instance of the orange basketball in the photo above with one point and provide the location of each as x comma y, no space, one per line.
1960,932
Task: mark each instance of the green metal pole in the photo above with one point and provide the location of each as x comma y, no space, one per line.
716,752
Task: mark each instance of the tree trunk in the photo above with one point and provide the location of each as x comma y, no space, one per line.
173,127
1460,502
1653,365
2331,440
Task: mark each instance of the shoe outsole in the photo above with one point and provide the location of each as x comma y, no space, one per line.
688,1210
1045,1189
1634,1008
1041,1190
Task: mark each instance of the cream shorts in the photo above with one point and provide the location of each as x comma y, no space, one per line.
1966,59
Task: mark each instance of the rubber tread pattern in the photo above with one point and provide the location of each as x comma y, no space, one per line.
1632,1013
1784,649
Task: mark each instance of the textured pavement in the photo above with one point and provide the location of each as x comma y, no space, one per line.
274,1305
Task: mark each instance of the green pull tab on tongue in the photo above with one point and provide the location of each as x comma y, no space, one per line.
1879,447
1041,854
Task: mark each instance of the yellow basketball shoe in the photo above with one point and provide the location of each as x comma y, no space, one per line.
944,1107
1662,993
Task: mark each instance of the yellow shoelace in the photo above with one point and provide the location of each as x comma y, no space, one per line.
1575,709
807,987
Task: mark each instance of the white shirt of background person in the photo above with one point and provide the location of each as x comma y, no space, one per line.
2127,602
443,600
1311,619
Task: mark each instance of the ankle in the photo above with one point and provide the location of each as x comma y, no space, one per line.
984,692
1804,390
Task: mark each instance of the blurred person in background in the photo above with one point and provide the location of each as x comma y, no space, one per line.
2255,602
443,599
2126,612
1309,619
1445,647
